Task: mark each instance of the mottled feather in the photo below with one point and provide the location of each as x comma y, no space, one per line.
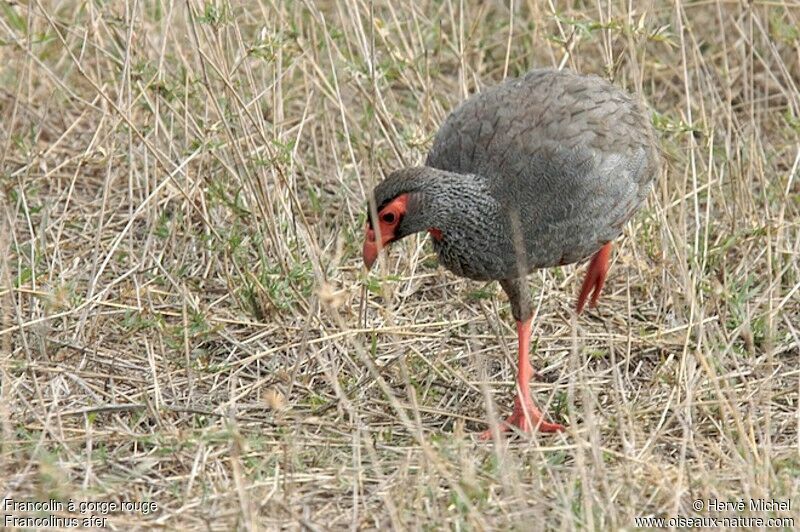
570,156
534,172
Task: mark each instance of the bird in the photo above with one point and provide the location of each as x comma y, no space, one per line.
538,171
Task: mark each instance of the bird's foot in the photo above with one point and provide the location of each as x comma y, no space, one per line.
527,420
595,277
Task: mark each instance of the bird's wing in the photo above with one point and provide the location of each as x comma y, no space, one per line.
518,126
568,153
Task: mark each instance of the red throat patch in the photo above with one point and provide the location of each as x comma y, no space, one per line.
435,233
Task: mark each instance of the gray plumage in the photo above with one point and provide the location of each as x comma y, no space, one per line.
535,172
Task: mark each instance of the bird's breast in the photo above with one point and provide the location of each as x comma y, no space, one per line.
481,259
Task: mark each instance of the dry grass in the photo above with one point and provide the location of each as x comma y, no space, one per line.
182,194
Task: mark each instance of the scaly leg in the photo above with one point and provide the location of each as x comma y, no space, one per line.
525,417
595,277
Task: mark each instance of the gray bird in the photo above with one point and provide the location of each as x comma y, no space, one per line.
538,171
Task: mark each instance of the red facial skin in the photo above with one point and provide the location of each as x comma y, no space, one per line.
388,218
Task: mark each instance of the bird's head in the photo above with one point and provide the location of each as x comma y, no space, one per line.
399,210
383,231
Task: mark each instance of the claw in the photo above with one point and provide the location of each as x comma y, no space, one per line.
595,278
532,422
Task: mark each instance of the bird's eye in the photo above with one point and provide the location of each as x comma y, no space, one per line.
388,217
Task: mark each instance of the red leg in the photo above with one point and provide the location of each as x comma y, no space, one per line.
595,277
526,417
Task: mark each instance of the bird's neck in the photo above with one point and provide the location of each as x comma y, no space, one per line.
447,201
